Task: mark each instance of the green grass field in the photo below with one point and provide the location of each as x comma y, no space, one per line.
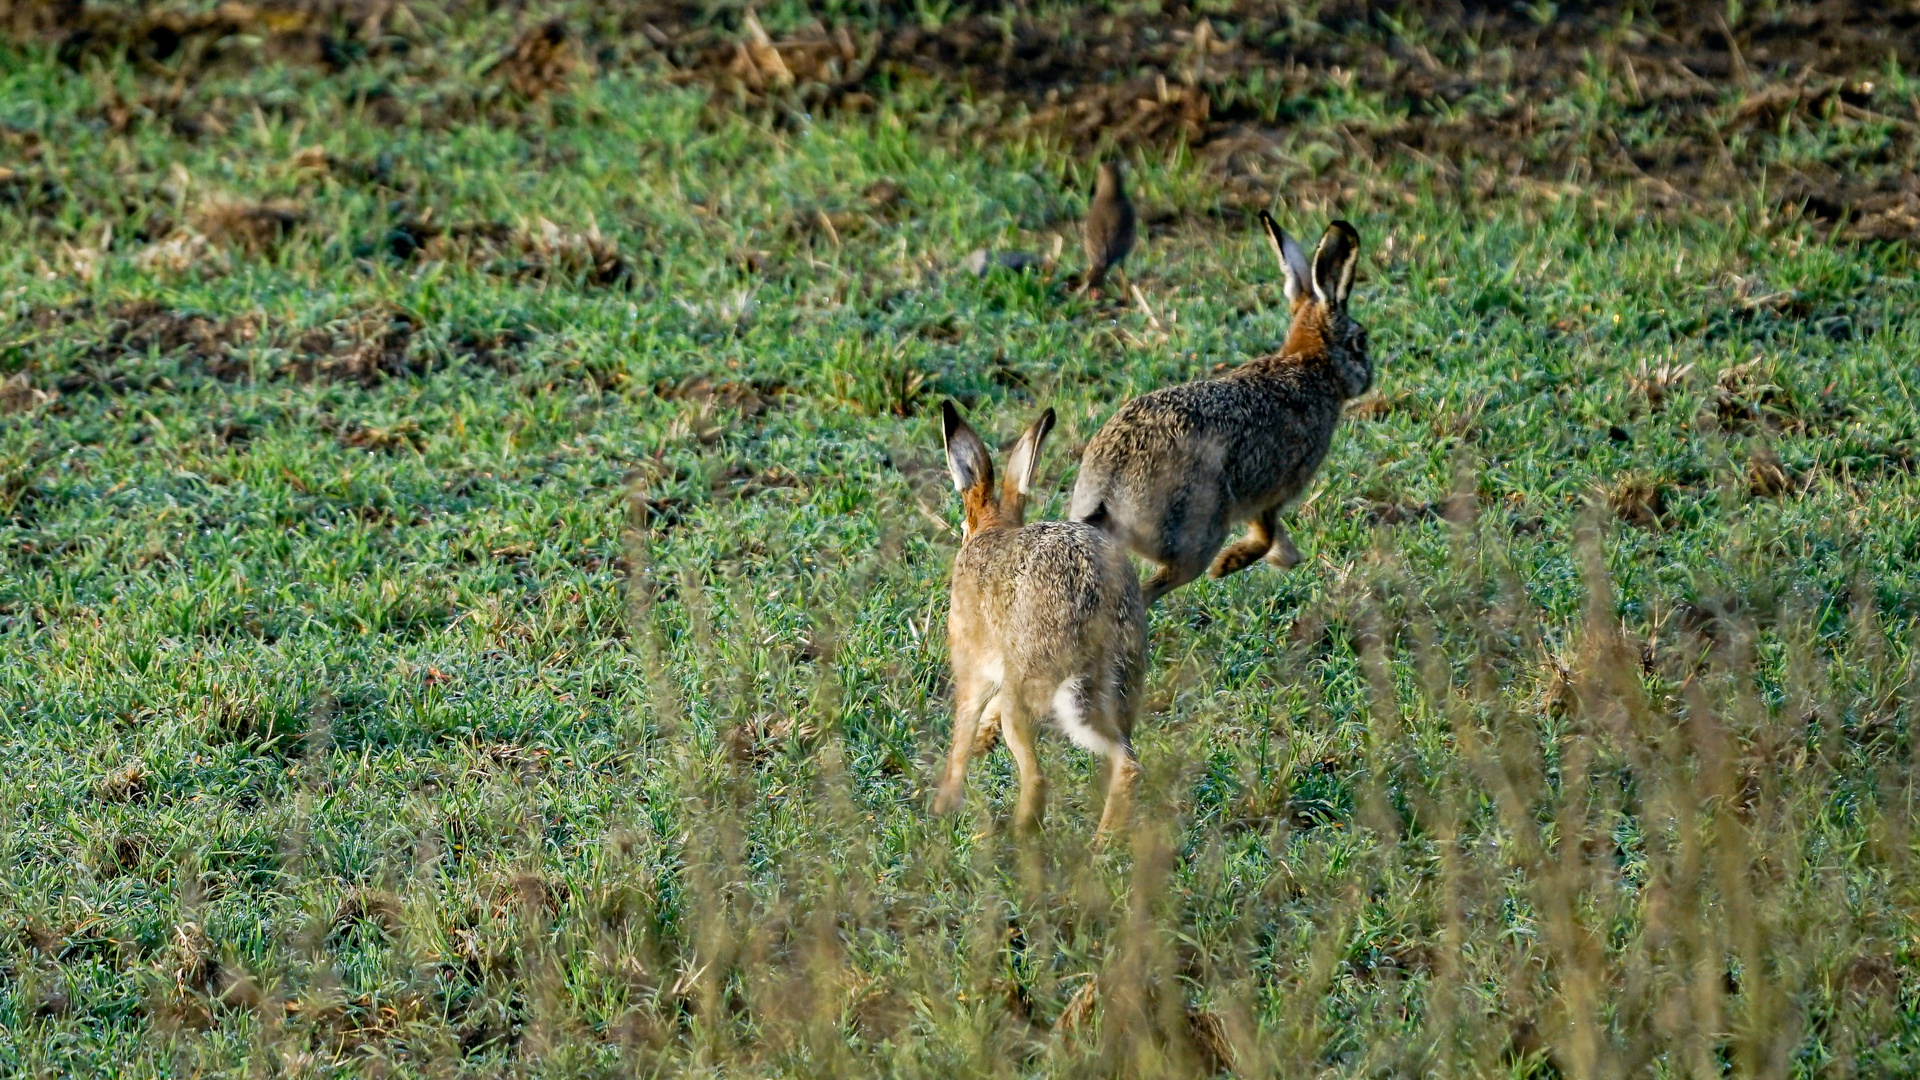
476,538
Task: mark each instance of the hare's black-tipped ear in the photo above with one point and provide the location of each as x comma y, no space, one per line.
1334,264
1293,261
967,457
1024,462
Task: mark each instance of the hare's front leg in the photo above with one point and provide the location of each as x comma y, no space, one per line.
988,731
1263,534
972,694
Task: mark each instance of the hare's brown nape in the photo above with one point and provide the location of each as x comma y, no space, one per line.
1312,331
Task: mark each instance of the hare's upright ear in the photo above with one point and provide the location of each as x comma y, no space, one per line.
1334,264
1024,463
967,457
1293,261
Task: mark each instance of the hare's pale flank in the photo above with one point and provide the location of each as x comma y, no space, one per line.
1046,620
1172,472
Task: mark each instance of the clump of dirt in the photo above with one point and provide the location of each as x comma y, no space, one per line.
748,398
365,346
814,68
535,251
1886,208
540,61
1638,500
1873,976
331,33
124,785
527,894
191,976
120,855
546,250
30,191
1654,383
19,395
368,348
1458,508
144,327
1768,477
365,906
405,435
739,482
1744,401
498,350
254,227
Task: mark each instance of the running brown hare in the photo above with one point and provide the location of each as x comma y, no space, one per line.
1046,620
1174,470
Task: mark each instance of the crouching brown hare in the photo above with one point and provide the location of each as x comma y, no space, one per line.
1046,620
1173,471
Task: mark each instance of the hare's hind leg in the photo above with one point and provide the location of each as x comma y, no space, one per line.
1169,577
1181,565
1283,554
1018,727
1123,774
1102,722
1191,528
1123,768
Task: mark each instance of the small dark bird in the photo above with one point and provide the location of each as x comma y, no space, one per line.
1109,227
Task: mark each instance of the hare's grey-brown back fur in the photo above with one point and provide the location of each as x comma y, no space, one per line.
1108,231
1172,472
1046,620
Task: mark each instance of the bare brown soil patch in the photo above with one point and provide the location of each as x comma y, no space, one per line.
536,251
142,327
1689,107
176,46
334,33
366,346
1477,93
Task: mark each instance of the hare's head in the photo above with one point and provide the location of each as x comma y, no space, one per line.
1318,292
972,469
